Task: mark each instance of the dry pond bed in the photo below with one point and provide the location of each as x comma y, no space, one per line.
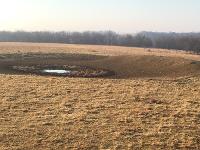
63,70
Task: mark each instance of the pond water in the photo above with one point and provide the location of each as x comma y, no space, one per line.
56,71
64,70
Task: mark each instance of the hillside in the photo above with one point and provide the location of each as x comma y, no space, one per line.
152,102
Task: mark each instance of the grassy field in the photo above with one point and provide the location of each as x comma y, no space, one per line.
153,101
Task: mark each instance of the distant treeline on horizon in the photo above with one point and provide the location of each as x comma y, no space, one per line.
179,41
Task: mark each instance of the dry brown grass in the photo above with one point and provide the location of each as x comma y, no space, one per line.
90,49
76,113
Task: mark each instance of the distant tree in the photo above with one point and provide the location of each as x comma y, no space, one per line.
182,41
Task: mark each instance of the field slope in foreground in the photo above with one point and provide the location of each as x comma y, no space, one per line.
43,112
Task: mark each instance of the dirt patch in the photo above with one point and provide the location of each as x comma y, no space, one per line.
64,71
101,66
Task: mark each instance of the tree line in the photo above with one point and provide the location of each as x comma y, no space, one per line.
179,41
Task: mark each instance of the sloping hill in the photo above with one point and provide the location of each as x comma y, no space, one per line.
133,66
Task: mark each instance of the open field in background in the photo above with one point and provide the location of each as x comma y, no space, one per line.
153,101
8,47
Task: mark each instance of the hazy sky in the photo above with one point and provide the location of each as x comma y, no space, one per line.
118,15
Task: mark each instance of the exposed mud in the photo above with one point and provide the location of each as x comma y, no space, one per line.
88,65
63,70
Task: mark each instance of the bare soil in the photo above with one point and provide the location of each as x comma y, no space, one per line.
125,66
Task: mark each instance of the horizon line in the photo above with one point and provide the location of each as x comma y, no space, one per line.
72,31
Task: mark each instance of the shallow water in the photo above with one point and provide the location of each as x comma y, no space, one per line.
56,71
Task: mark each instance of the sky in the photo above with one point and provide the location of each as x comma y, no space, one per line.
122,16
